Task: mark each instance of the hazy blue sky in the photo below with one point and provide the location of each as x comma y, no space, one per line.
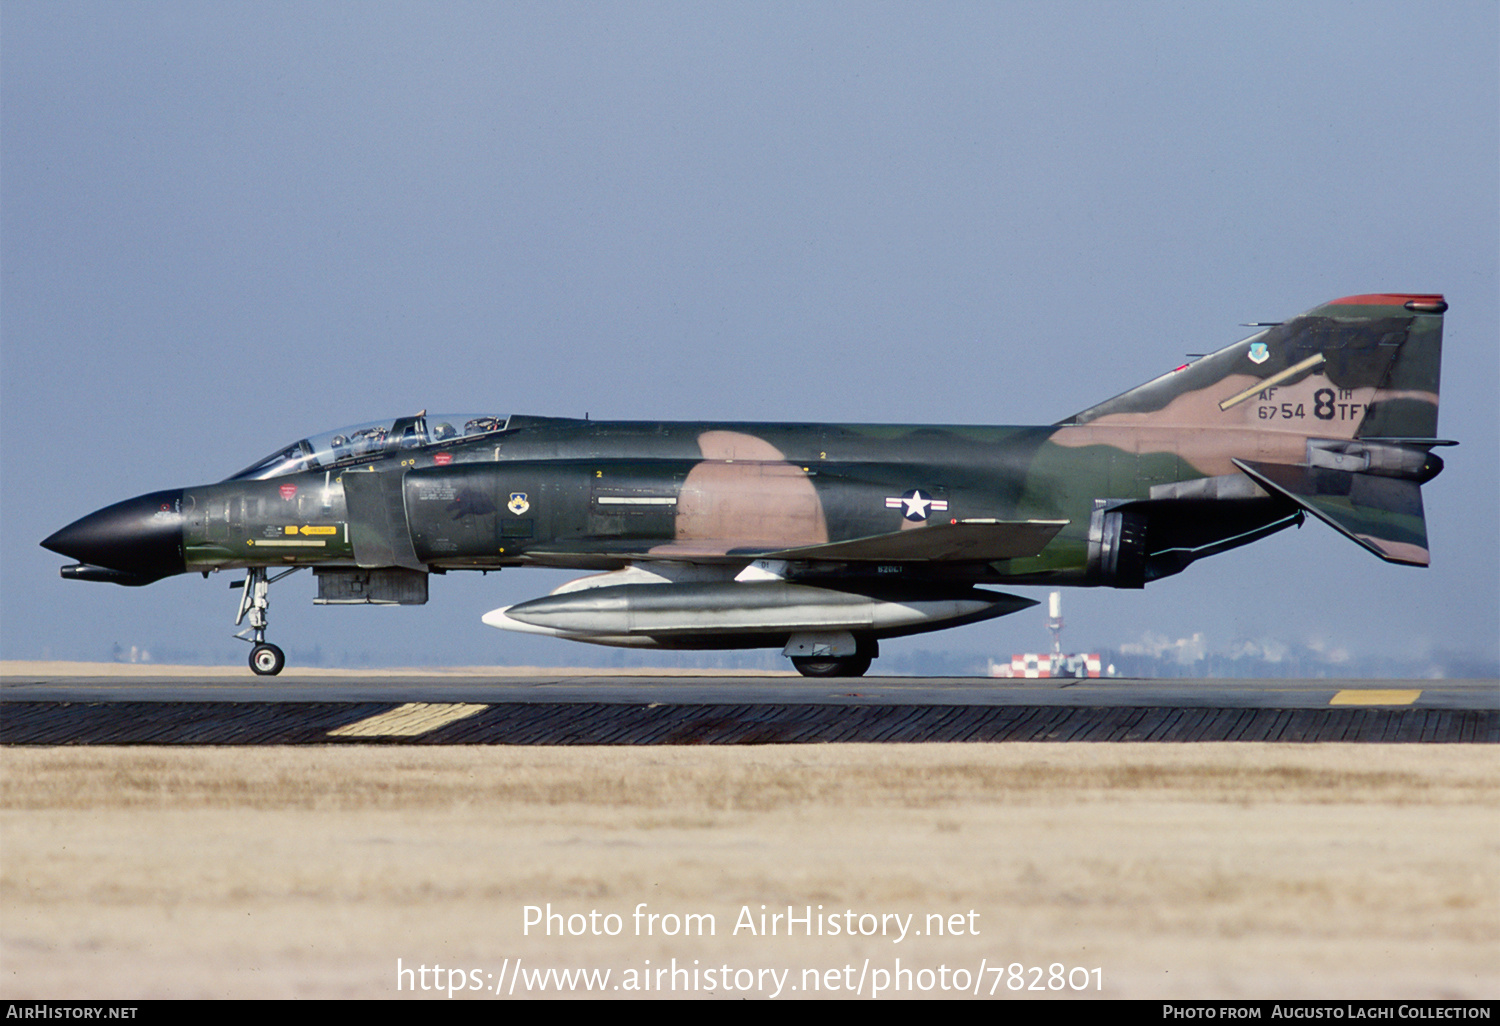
230,225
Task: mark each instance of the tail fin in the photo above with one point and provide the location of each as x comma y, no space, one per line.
1358,367
1340,405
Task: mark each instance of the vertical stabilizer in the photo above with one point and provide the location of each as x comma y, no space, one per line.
1358,367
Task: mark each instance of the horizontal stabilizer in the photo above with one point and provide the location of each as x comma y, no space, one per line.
1384,514
966,541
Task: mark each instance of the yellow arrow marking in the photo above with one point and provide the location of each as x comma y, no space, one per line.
321,529
409,720
1375,696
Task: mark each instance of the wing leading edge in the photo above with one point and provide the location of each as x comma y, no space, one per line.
975,541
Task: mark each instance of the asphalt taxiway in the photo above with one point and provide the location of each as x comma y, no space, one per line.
39,708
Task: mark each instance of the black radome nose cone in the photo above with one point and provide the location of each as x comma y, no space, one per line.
141,536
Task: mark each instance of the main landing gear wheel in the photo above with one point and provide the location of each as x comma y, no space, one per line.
835,666
267,660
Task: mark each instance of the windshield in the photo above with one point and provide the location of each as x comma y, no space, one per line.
364,442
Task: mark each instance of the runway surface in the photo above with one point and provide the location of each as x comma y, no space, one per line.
211,708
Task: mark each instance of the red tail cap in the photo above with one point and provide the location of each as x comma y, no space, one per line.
1421,302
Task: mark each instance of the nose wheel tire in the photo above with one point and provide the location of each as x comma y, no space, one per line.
837,666
267,660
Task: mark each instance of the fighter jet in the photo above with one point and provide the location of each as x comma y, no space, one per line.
823,539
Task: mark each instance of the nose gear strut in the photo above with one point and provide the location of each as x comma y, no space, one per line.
255,601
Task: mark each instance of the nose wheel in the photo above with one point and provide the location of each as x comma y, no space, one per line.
266,660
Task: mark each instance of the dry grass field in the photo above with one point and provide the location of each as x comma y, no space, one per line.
1209,870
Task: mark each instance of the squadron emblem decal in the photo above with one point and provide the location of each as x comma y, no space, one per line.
518,503
1259,353
916,504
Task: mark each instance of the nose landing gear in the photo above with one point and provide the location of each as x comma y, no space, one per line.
266,659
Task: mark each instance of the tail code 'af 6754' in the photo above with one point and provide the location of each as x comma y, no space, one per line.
822,539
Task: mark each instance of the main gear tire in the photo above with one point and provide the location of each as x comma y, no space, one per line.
834,666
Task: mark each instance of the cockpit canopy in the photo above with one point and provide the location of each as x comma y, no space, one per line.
365,442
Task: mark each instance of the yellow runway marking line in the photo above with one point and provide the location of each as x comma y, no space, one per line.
409,720
1373,696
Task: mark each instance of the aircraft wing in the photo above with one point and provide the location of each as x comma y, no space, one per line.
977,541
972,541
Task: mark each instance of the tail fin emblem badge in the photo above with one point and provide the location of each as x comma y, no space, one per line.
1259,353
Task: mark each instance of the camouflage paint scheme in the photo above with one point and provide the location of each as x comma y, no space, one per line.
1332,413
